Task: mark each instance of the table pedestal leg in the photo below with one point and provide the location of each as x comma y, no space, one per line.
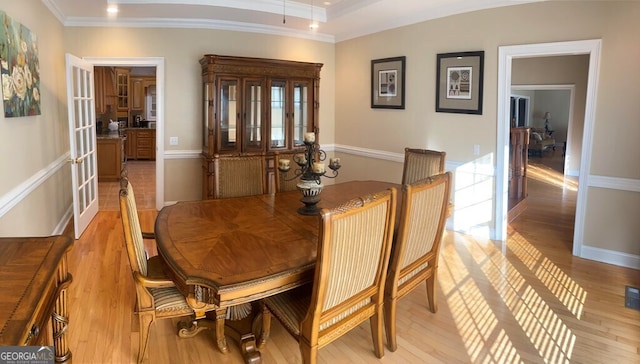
242,331
242,328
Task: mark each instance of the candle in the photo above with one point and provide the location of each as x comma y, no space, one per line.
334,162
318,168
300,159
283,164
309,137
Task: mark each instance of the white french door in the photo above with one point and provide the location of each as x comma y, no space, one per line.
82,139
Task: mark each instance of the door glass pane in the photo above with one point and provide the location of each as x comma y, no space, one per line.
278,131
228,113
253,114
300,112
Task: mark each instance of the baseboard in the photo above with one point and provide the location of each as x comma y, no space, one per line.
64,222
611,257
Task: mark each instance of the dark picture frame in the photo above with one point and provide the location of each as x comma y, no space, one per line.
459,82
387,83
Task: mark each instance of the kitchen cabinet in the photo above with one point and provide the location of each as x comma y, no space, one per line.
137,93
146,144
104,88
122,89
109,158
130,144
141,143
255,106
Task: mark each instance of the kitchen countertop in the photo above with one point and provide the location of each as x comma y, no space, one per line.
109,135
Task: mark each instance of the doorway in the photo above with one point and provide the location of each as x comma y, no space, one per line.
505,58
158,64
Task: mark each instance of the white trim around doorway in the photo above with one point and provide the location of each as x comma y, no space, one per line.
158,63
505,56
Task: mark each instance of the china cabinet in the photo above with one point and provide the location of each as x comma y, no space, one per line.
256,106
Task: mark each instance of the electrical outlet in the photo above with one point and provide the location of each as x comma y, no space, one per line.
173,140
476,149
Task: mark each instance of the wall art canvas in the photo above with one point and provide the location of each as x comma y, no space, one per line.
20,69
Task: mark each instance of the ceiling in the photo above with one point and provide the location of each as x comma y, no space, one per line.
337,19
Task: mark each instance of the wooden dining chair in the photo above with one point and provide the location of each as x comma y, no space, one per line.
239,175
421,163
285,181
156,295
352,260
417,244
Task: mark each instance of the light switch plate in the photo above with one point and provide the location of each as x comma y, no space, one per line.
173,140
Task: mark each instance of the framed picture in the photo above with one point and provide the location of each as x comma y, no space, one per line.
387,83
459,79
20,69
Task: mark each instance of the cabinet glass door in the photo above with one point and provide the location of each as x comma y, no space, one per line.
206,114
301,111
229,114
122,89
278,115
252,115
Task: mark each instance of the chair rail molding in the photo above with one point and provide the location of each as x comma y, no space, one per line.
21,191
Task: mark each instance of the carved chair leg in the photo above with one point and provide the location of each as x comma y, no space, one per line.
431,292
309,353
145,319
376,332
390,322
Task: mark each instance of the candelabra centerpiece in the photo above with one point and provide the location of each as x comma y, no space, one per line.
310,170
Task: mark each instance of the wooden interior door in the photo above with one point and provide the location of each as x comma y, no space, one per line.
82,139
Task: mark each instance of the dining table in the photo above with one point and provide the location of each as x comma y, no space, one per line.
232,252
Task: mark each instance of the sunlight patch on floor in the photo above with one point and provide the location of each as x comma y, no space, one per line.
476,322
475,308
560,284
551,177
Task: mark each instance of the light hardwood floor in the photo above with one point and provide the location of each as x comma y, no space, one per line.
526,300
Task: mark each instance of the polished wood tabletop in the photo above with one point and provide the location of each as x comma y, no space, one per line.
232,251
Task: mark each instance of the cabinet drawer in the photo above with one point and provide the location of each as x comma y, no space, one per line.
144,142
145,153
38,327
146,134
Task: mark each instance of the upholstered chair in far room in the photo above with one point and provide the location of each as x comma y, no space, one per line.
237,176
353,254
285,181
421,163
156,295
417,245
